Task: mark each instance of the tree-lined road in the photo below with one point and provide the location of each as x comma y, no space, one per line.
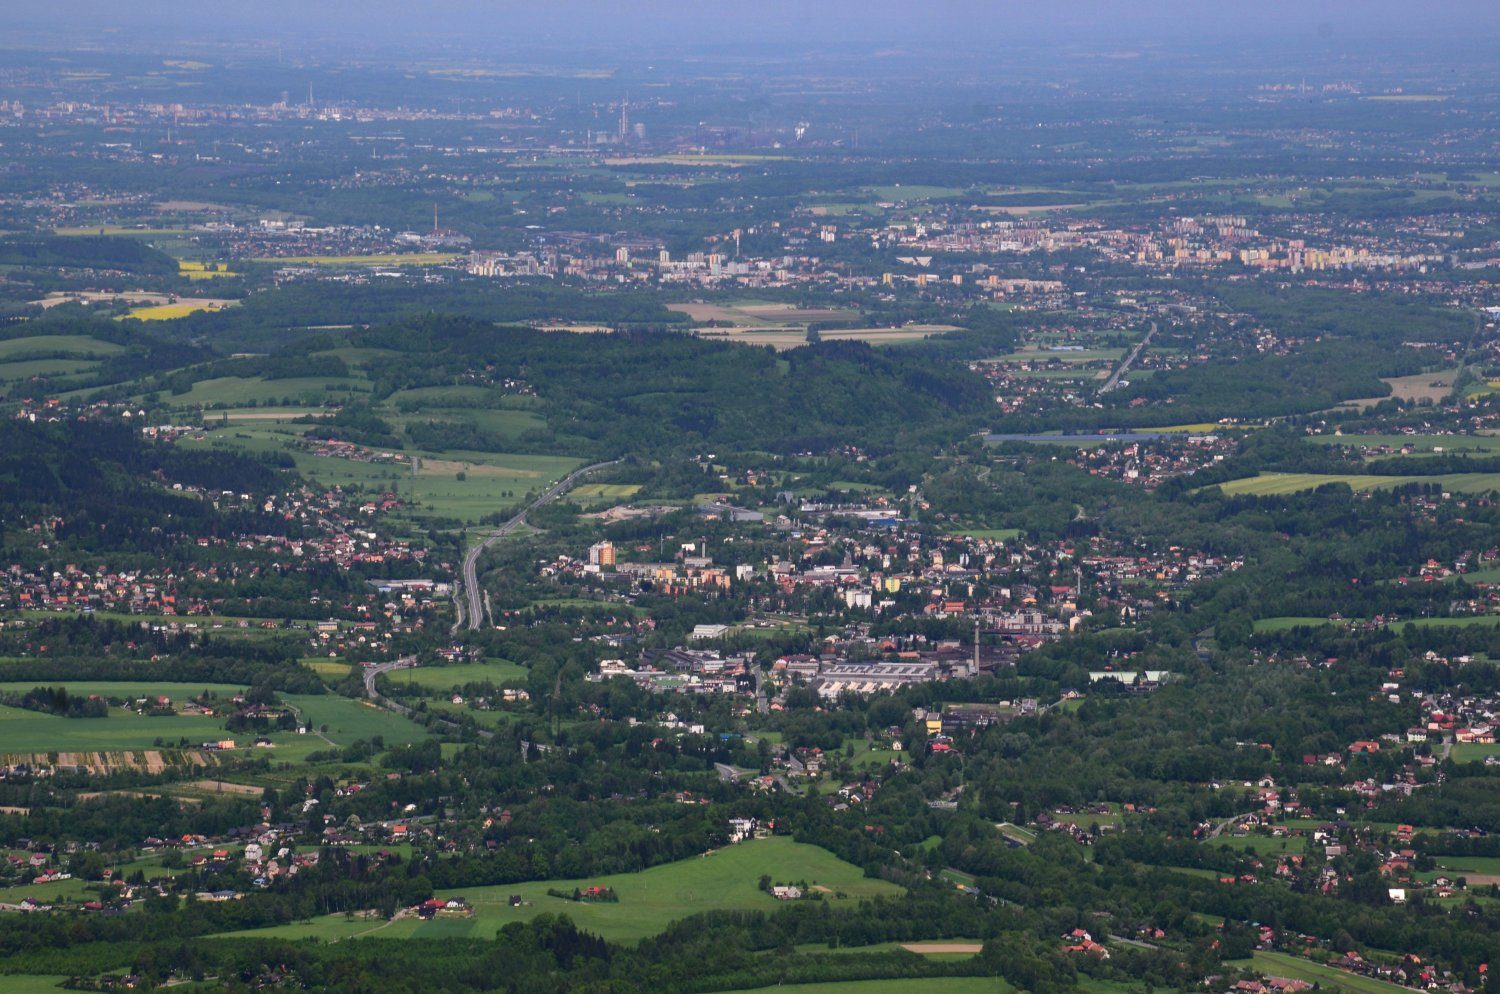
1124,367
471,607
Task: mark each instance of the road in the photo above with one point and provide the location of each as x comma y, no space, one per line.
371,672
1223,826
470,609
1114,378
405,662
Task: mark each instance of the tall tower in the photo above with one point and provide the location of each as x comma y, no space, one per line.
624,118
974,664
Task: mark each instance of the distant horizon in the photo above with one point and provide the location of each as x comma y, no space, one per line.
679,27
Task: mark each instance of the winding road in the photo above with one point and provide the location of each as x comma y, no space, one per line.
371,672
1114,378
470,608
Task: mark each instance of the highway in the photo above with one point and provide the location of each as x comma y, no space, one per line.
471,609
1124,367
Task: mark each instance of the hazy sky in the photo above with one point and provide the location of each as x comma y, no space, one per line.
689,23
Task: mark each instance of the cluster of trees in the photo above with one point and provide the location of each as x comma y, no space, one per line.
57,700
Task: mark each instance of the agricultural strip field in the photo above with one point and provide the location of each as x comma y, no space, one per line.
32,983
32,732
1267,484
1418,386
432,489
1281,624
649,901
1296,968
926,985
762,315
994,534
1421,443
445,677
388,259
64,346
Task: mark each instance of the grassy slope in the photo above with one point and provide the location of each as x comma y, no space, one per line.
649,900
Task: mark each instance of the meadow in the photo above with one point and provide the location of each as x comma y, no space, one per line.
386,259
994,534
341,720
70,346
726,879
32,983
1296,968
431,488
1421,443
1268,484
496,671
927,985
1285,623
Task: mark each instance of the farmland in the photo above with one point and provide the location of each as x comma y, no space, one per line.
445,677
649,900
1266,484
340,719
1419,443
382,259
1296,968
56,346
928,985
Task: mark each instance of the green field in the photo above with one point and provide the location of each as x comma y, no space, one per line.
446,677
388,259
31,983
1473,752
433,490
726,879
1421,443
994,534
72,346
613,491
926,985
237,391
23,731
1269,484
1484,865
1282,624
1264,845
25,369
1296,968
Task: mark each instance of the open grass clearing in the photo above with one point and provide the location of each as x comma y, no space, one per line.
1281,624
1473,752
382,259
1296,968
762,315
1420,443
1271,484
1432,386
341,719
32,983
443,678
924,985
993,534
26,369
609,491
649,901
62,346
237,391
